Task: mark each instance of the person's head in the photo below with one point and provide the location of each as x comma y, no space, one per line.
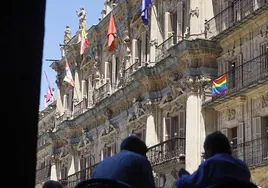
216,143
134,144
52,184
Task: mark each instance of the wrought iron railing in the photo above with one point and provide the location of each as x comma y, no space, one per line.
103,91
238,11
42,174
72,180
166,151
162,49
80,107
253,152
65,116
132,69
247,74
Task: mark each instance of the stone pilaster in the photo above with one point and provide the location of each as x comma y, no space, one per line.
195,126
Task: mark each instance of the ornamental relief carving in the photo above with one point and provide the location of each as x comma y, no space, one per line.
174,108
139,109
231,114
86,140
197,84
137,125
265,100
85,151
257,106
108,134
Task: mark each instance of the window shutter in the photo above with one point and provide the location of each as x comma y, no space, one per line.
84,89
181,133
113,148
113,66
241,133
256,129
180,20
70,100
143,47
144,134
168,129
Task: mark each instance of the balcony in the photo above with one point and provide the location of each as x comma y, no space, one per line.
254,152
80,107
72,180
237,13
103,91
245,77
132,69
42,174
172,150
162,49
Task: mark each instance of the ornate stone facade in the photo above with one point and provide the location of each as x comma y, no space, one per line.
158,91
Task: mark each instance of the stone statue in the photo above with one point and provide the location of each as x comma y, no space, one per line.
67,34
82,18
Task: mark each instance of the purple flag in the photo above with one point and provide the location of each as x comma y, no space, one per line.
144,11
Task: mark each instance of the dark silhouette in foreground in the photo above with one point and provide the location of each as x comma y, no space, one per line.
52,184
220,168
130,165
100,183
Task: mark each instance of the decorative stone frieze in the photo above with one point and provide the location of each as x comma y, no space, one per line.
265,100
109,133
231,114
197,84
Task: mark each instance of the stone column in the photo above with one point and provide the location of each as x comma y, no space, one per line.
156,34
167,14
151,129
114,79
84,89
195,126
77,89
72,167
90,92
59,103
199,12
53,172
65,102
134,50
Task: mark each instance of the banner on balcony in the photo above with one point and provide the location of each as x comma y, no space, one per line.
111,33
68,77
144,11
219,86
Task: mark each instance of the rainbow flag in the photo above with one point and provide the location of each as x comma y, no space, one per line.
219,86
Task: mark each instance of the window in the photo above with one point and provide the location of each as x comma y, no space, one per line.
64,172
231,72
234,137
141,134
264,54
175,126
109,150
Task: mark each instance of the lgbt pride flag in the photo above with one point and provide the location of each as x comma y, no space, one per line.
219,86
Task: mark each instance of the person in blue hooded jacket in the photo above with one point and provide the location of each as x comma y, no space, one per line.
130,165
219,165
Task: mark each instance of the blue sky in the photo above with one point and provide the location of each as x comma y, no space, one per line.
60,13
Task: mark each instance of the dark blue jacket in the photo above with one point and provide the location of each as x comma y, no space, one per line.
128,167
213,170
